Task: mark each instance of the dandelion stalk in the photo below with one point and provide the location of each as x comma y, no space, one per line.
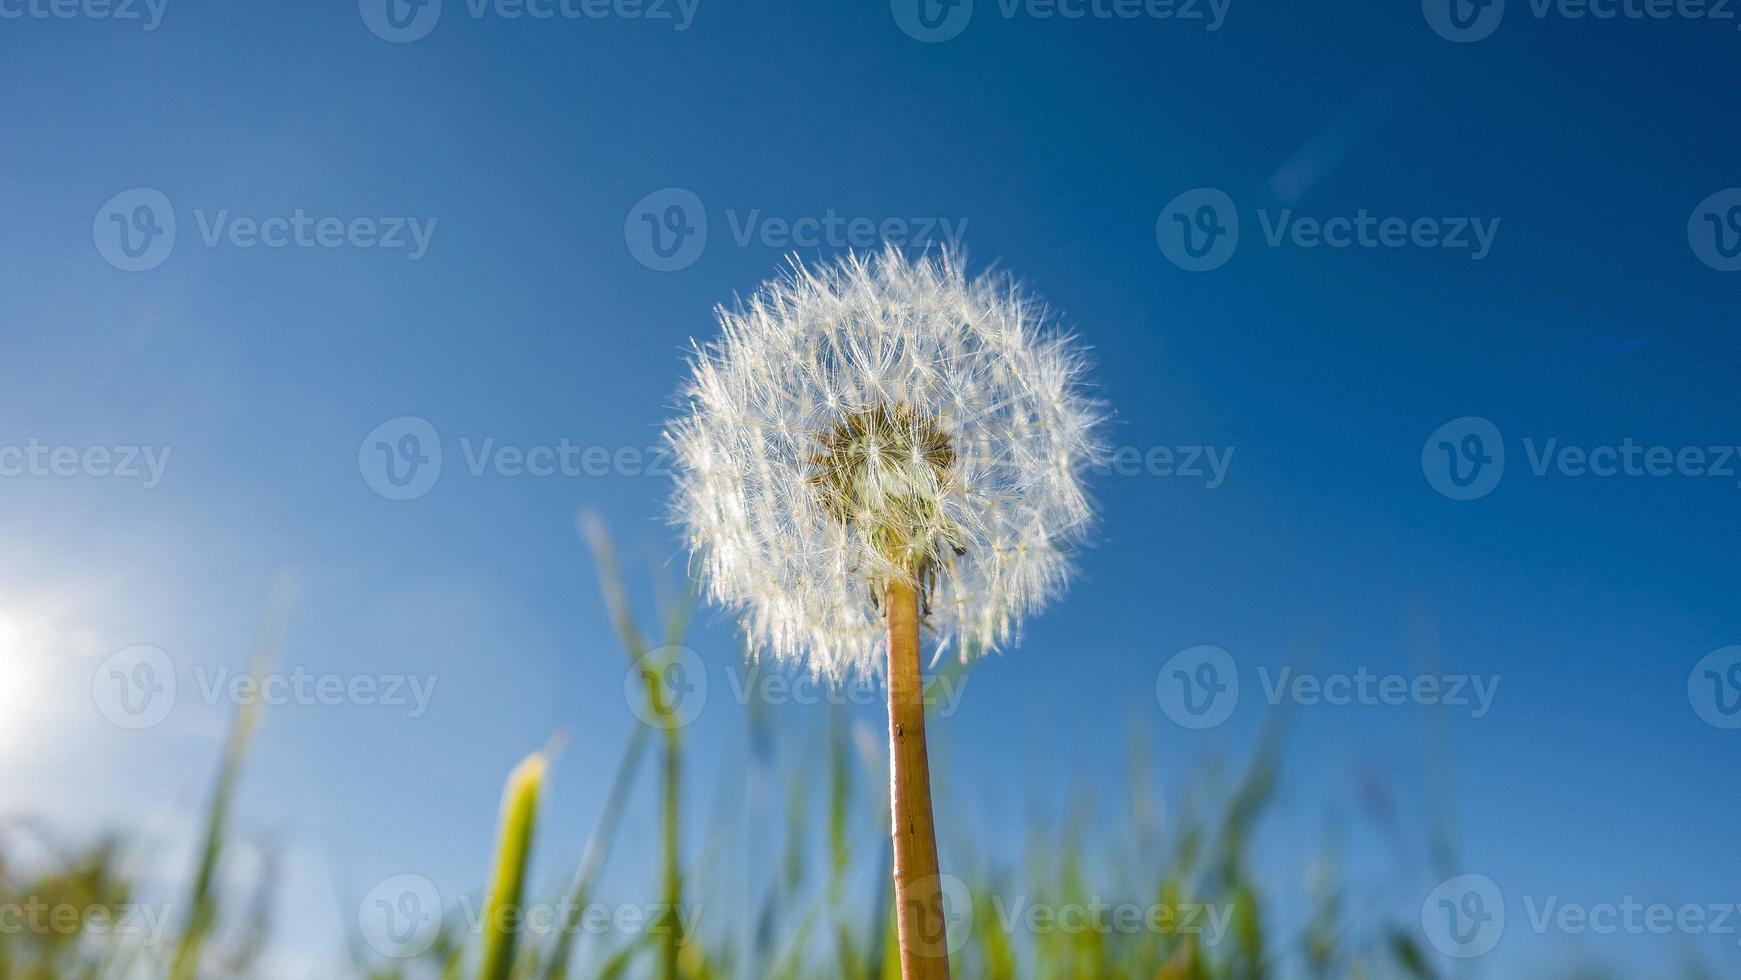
918,886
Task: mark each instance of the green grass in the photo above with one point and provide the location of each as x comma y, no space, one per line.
824,908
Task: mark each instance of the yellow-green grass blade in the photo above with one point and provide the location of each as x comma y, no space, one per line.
502,910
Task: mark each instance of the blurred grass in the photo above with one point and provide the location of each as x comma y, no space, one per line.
823,910
202,900
502,925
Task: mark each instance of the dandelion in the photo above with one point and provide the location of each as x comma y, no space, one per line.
876,450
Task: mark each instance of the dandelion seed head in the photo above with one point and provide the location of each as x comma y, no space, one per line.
877,418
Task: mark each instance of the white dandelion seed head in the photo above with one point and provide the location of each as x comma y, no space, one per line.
879,417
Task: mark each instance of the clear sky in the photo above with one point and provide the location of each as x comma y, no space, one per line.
494,225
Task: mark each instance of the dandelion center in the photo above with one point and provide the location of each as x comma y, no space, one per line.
883,471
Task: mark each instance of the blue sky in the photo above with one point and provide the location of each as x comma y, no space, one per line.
486,268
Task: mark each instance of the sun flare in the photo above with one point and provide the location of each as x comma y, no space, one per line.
15,676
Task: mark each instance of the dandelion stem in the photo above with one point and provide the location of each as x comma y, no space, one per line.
918,887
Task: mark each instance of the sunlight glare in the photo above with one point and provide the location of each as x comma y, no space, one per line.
14,672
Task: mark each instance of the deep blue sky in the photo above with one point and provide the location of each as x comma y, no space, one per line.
1056,145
